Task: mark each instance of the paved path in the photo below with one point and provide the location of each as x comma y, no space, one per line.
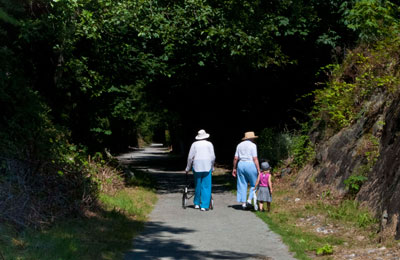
227,232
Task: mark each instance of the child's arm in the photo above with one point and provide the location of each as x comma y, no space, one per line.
270,183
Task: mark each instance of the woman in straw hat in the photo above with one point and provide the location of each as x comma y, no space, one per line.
246,167
201,160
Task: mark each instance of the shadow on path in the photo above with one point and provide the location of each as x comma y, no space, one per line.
156,234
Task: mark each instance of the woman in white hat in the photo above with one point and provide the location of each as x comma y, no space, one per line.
201,160
246,167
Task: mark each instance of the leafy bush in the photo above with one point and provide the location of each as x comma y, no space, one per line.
302,150
325,250
105,175
354,183
372,19
361,75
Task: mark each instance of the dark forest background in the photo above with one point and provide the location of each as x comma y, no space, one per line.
101,74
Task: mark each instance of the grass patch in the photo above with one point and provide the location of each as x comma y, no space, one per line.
348,211
302,243
106,234
133,202
318,226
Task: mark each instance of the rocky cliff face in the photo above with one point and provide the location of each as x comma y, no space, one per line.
369,147
382,190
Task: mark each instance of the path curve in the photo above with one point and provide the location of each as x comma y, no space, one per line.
227,232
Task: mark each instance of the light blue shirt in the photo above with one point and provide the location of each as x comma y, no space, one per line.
246,150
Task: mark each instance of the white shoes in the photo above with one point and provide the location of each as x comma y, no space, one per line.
198,207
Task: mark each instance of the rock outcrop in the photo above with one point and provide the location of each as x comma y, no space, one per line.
369,147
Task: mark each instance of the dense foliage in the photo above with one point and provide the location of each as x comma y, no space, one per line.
366,71
107,71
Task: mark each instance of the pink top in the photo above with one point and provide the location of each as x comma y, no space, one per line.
264,179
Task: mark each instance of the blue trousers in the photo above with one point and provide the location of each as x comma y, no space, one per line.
202,194
246,173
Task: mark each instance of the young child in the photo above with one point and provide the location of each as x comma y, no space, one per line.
265,187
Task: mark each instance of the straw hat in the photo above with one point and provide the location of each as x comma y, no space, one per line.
202,135
249,135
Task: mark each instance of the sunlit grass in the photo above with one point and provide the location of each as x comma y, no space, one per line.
135,202
287,218
300,242
107,234
348,211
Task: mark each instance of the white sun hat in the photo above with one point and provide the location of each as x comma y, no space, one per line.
202,135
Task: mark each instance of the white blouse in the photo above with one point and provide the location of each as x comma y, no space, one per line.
246,150
201,156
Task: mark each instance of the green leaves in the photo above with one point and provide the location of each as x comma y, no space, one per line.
354,182
325,250
5,17
363,73
373,19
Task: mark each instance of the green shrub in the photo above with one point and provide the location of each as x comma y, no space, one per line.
372,19
365,219
354,183
365,71
302,150
325,250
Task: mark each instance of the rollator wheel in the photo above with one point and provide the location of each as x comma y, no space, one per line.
184,201
184,198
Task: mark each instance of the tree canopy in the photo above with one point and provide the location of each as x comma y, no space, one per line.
102,72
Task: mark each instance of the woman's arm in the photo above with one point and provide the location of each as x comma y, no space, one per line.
235,160
255,160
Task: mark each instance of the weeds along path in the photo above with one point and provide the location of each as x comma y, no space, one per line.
227,232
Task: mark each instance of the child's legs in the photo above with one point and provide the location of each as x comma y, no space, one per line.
241,183
197,190
268,206
205,190
260,205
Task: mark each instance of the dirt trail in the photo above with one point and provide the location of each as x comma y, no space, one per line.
227,232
